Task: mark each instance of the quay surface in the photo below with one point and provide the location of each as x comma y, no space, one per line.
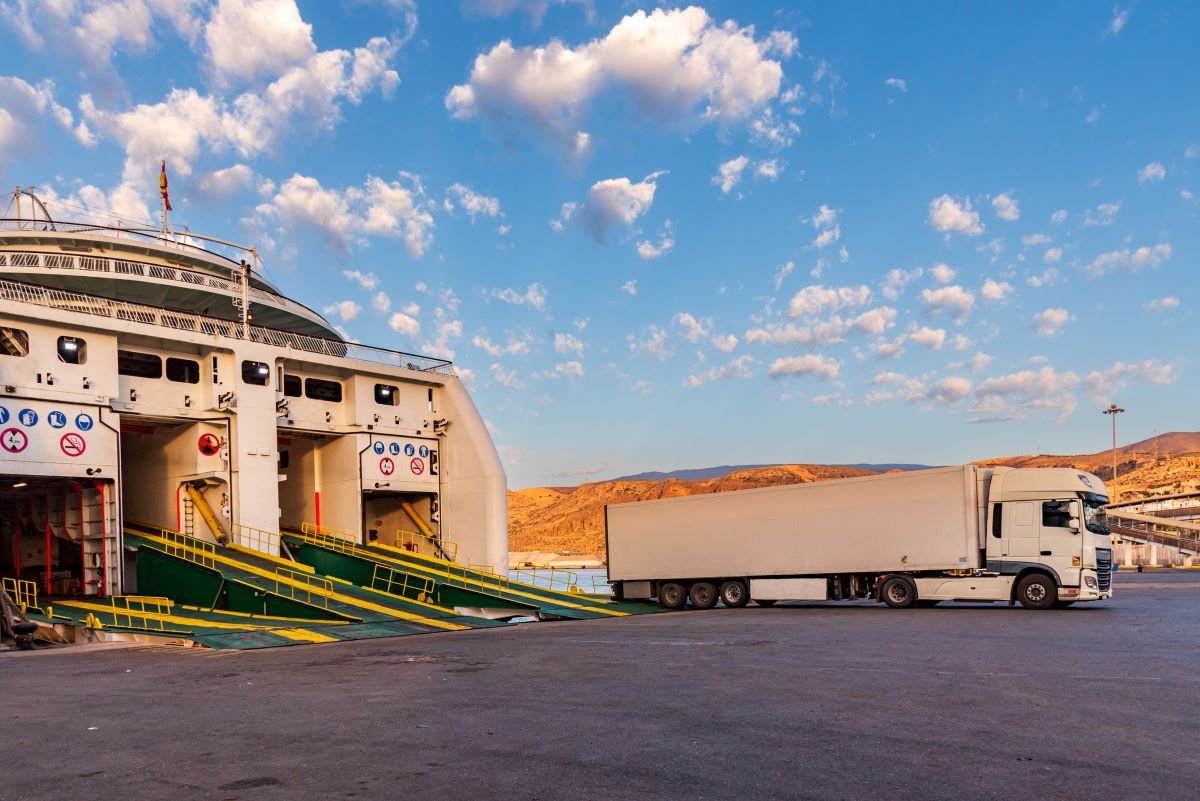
801,701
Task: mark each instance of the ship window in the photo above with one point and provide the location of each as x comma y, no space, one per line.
387,395
183,371
14,342
322,390
291,386
139,365
256,373
72,350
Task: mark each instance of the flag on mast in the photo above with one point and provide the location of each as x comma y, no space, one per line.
162,187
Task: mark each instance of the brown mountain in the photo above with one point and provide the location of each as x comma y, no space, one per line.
571,519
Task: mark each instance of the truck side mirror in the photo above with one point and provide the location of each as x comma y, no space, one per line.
1073,524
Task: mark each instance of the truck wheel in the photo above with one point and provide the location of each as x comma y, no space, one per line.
672,595
1036,591
898,592
734,594
765,601
703,595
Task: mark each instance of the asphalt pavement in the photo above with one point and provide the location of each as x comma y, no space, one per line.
801,701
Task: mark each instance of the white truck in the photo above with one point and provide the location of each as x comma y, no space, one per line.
1031,536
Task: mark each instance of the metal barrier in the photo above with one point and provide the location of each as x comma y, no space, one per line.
446,550
184,546
482,575
140,607
296,583
1164,533
256,539
389,580
551,578
23,593
313,530
332,543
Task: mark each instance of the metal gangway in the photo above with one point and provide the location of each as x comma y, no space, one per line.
1169,521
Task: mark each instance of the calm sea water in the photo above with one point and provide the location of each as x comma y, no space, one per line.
591,581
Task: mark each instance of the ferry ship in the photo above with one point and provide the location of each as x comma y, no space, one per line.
159,382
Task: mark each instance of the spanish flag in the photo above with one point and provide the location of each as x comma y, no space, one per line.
162,187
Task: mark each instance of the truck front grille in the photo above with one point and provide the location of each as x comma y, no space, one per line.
1104,568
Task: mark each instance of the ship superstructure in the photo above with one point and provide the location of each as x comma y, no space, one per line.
146,378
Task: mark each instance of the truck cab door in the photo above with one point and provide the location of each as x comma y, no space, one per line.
1058,541
1021,532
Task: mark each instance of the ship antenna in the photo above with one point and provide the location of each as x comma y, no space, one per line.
242,301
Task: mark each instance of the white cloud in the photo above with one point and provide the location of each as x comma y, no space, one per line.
828,237
405,324
824,218
1103,384
666,240
447,330
1124,259
896,279
629,287
782,272
1095,114
770,169
654,346
1152,173
21,104
1006,207
692,330
381,303
898,83
515,345
611,202
1119,18
236,23
950,390
1105,214
367,281
952,300
738,368
508,380
1048,277
948,214
1010,396
814,299
874,321
473,203
931,338
772,131
534,295
729,174
996,290
1047,323
568,343
345,310
1162,304
1193,151
942,273
1052,255
224,184
1029,240
808,364
571,369
674,66
1059,216
396,209
724,342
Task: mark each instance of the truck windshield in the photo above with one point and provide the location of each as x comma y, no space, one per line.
1094,517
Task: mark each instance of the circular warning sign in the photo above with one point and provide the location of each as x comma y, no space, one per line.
72,444
387,466
417,467
13,440
209,444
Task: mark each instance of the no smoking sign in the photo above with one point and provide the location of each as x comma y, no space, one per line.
72,444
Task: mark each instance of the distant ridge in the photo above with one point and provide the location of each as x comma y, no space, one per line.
701,473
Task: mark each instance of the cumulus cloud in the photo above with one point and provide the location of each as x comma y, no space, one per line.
21,104
666,240
629,287
609,203
232,23
931,338
225,183
568,343
1052,255
691,329
1105,214
996,290
1006,207
534,295
1152,173
724,342
653,345
1059,217
808,364
951,215
405,324
942,273
345,310
1119,18
729,174
950,390
896,279
738,368
897,83
1162,304
949,300
473,203
1104,384
815,299
367,281
673,65
1013,395
1124,259
770,169
1047,323
827,237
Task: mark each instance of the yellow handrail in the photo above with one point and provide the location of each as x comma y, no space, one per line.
332,543
186,547
483,575
123,606
446,550
389,580
312,529
296,582
256,539
23,593
552,578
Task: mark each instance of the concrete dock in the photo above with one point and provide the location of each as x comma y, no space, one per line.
803,701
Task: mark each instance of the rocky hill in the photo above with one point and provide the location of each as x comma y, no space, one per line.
571,519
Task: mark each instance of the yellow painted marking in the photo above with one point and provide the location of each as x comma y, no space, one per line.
539,599
231,613
349,601
304,635
183,620
290,565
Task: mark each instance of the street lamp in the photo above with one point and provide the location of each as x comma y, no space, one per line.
1113,409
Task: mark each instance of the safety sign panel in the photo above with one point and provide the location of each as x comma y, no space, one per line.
394,448
13,440
72,444
3,415
409,450
417,467
209,444
84,422
424,451
28,417
379,448
387,466
56,419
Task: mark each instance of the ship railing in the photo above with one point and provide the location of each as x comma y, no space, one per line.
303,586
446,550
184,546
401,583
215,326
148,610
21,592
484,576
550,578
315,530
255,539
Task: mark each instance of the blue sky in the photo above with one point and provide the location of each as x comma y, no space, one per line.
658,236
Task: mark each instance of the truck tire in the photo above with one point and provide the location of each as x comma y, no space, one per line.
703,595
734,594
765,601
672,595
1036,591
898,592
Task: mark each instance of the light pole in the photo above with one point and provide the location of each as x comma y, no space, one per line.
1113,409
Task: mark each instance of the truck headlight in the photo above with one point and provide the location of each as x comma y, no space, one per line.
1090,581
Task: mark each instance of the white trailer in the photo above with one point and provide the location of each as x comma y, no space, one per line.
1031,536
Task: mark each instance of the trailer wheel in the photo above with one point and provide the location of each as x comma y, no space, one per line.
1037,591
765,601
672,595
734,594
898,592
703,595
